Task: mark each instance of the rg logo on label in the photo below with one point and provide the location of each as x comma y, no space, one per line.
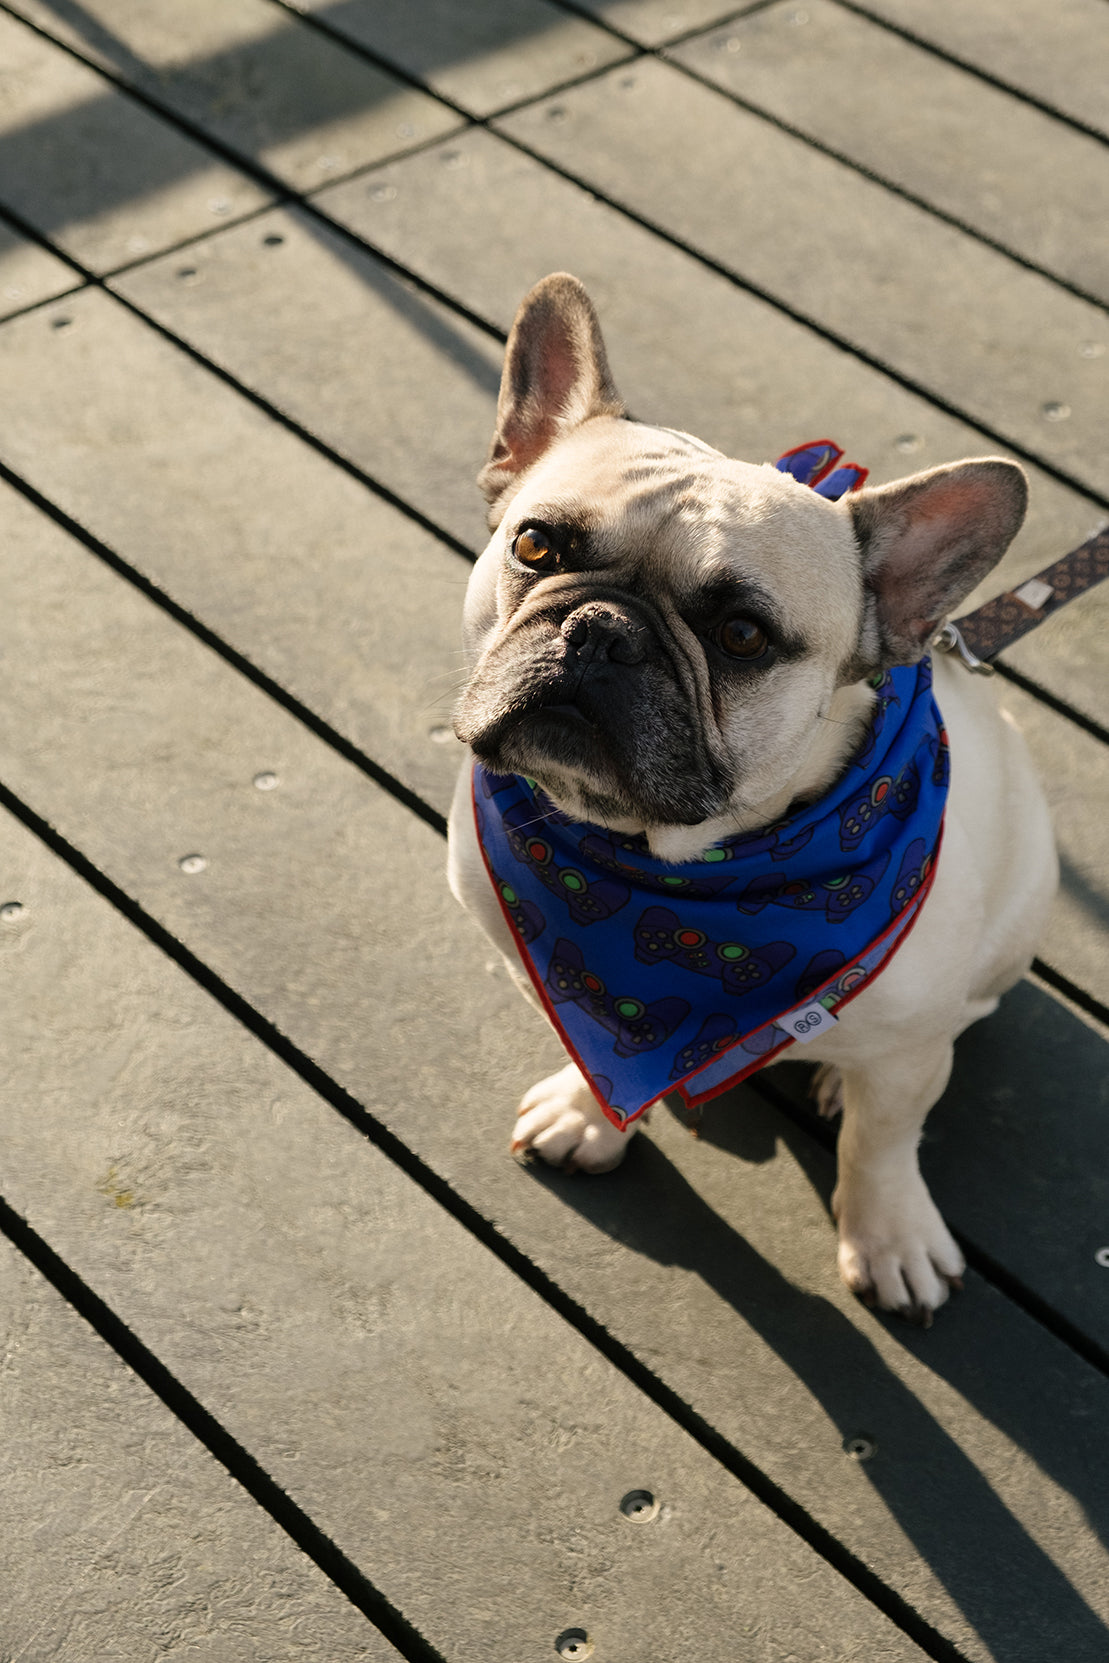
802,1024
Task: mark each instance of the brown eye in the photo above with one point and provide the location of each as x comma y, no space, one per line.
742,638
532,547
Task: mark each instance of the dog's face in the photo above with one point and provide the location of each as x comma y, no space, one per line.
665,638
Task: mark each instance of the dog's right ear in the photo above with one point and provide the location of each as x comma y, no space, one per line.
556,376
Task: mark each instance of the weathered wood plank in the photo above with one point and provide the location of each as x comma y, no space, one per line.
29,273
1055,53
995,163
430,375
457,1440
480,57
122,1536
1067,653
104,178
320,903
257,79
1074,768
653,22
337,595
959,319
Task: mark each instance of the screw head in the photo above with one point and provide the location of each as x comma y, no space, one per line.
60,323
382,193
192,863
908,442
861,1446
440,735
640,1506
273,240
265,782
574,1643
556,113
1091,349
1054,411
1101,1256
11,910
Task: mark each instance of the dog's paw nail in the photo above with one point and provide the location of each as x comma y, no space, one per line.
955,1283
868,1297
922,1316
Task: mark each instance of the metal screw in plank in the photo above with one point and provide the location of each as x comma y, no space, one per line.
640,1506
574,1643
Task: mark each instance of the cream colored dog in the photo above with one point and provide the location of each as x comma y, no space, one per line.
639,527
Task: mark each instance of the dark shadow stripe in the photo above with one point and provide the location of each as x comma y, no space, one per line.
231,1455
1070,990
990,1269
934,1644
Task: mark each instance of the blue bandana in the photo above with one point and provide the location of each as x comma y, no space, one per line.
686,977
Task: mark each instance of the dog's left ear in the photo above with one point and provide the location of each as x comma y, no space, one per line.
556,376
926,541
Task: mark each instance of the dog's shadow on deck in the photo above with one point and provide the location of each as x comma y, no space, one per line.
1009,1590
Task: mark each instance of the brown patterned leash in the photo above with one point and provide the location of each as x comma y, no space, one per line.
981,635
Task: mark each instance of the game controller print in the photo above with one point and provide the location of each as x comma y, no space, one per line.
606,848
587,902
836,897
527,920
715,1034
941,758
662,938
888,794
770,841
884,699
496,785
638,1027
915,866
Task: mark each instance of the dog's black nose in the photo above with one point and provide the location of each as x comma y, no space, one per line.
601,630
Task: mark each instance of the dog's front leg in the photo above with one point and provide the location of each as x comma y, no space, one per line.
561,1120
894,1248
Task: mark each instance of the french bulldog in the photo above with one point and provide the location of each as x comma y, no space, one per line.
683,647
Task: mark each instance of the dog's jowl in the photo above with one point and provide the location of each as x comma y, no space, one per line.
715,806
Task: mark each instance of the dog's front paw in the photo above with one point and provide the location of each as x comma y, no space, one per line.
561,1120
894,1248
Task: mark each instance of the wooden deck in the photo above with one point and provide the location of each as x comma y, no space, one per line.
295,1361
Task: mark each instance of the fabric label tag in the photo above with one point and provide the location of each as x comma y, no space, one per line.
804,1024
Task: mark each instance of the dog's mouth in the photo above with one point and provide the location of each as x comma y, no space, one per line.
621,748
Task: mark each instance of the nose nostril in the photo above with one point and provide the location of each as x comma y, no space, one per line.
576,631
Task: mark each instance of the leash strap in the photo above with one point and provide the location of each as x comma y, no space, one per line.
981,635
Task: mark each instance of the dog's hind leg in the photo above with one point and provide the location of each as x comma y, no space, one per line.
826,1090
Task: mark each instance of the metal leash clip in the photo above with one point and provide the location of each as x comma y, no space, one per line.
949,639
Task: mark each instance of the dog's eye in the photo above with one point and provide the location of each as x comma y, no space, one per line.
534,548
742,638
